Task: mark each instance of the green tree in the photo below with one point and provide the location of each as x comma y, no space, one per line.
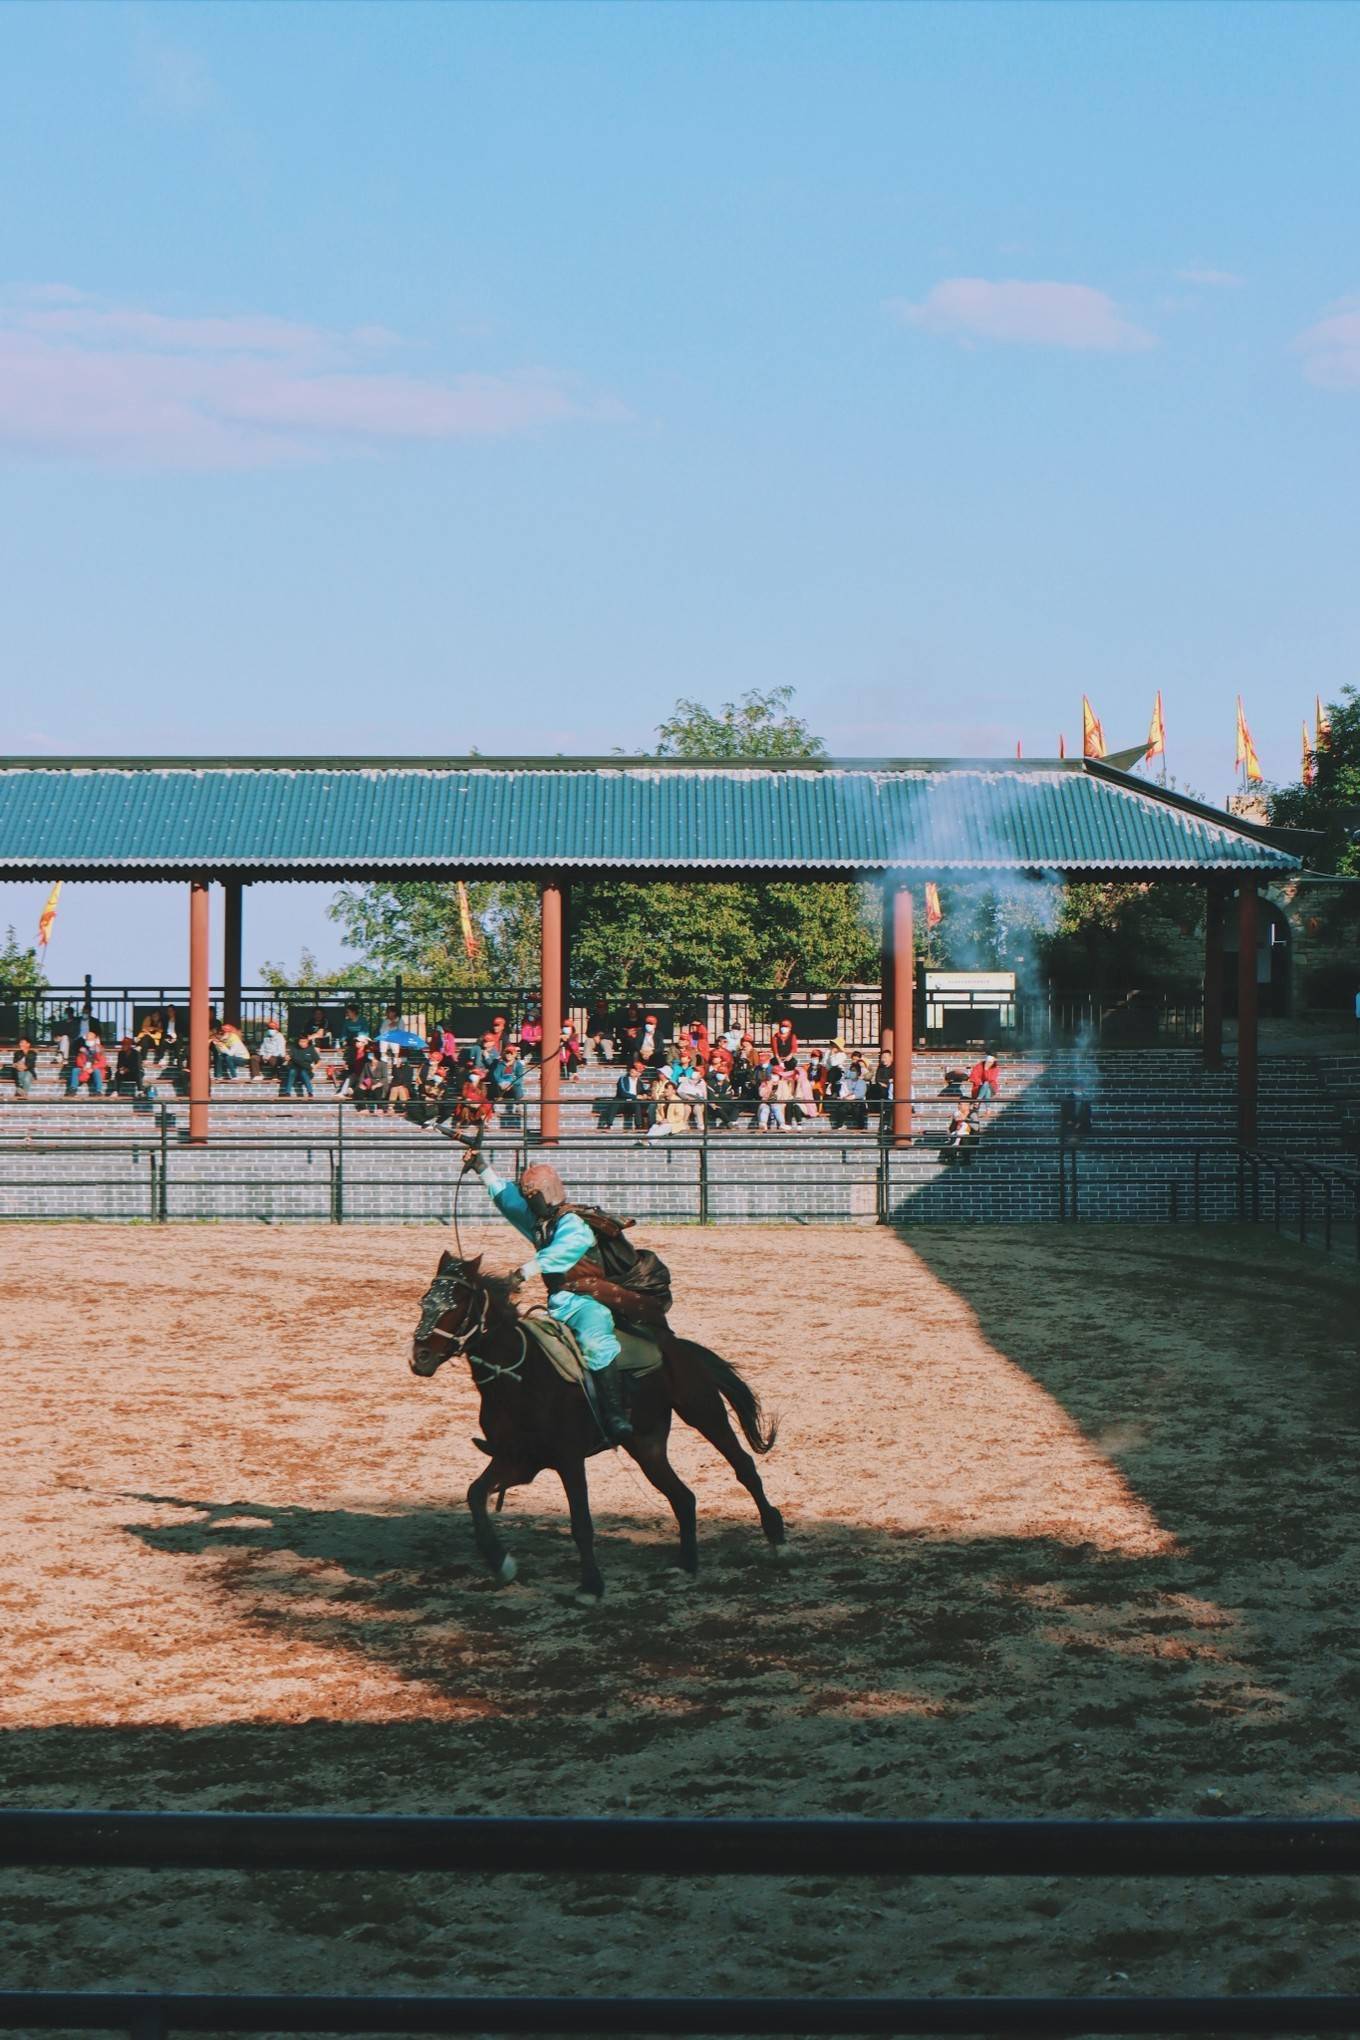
761,725
20,970
1332,803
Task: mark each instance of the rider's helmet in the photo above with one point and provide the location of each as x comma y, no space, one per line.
542,1190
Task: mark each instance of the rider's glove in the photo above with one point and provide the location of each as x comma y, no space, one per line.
522,1275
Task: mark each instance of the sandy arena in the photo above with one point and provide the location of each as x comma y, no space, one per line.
1072,1520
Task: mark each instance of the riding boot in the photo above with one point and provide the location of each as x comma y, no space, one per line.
607,1383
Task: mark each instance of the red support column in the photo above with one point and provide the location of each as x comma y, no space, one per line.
231,951
200,1072
903,985
1246,1013
885,968
1213,976
550,995
566,948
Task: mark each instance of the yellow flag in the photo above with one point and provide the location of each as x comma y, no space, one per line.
1246,750
1322,724
934,911
48,916
1307,757
1157,730
470,942
1092,734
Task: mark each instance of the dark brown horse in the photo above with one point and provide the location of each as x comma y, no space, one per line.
534,1420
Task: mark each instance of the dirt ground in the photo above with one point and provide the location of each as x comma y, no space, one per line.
1072,1522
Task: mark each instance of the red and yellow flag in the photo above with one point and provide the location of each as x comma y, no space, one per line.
1017,747
1307,757
1246,751
1092,733
1156,731
470,942
1322,724
934,911
48,916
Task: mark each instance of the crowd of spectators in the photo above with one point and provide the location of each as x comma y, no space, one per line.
695,1082
674,1077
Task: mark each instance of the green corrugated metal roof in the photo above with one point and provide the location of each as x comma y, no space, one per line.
319,819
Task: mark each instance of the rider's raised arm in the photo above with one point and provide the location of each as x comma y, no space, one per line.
508,1201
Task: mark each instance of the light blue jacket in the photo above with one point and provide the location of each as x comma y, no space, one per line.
571,1239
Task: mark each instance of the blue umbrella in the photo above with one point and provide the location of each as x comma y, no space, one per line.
402,1037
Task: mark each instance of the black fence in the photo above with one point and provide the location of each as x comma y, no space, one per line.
424,1845
852,1014
328,1164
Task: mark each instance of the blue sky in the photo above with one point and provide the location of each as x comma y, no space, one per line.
415,378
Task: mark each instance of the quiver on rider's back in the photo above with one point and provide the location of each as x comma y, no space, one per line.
638,1278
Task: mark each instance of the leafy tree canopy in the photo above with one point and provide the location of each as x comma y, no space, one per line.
20,970
1332,803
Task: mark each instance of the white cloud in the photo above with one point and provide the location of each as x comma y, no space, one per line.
132,385
1212,279
1331,348
1070,315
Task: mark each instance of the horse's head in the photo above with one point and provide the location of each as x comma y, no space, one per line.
452,1312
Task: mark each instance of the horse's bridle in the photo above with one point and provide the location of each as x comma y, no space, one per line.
460,1343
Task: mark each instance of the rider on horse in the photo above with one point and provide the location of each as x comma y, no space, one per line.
580,1293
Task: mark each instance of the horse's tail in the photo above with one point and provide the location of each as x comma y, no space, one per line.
759,1435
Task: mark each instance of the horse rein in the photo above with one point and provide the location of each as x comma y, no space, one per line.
460,1343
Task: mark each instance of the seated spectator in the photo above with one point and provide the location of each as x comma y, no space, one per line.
669,1116
351,1031
174,1043
473,1107
479,1055
91,1066
150,1036
837,1056
572,1053
599,1030
985,1080
880,1090
506,1084
770,1111
629,1102
650,1050
232,1054
403,1082
954,1081
369,1081
962,1134
691,1090
531,1035
127,1070
722,1057
297,1071
500,1032
803,1105
784,1042
695,1034
22,1068
628,1027
724,1104
321,1030
273,1050
849,1107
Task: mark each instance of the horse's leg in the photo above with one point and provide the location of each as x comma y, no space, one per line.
500,1473
698,1403
572,1475
649,1450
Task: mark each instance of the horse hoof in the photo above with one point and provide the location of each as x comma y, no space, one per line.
780,1553
586,1600
506,1570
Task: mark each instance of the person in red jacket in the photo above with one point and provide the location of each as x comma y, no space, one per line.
984,1080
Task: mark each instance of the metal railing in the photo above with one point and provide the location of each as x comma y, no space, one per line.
421,1844
850,1013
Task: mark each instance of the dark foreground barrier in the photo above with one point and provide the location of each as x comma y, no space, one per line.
675,1848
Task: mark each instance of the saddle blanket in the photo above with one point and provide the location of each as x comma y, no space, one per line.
639,1355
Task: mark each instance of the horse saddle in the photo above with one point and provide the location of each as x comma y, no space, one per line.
640,1355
